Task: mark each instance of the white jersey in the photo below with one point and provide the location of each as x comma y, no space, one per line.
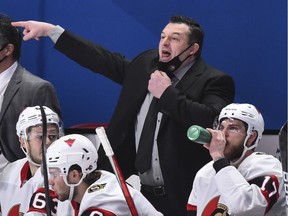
105,197
33,184
255,188
14,186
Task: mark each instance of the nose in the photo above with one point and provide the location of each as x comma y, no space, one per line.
51,182
164,41
48,141
225,131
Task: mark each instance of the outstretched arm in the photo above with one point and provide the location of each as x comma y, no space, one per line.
34,29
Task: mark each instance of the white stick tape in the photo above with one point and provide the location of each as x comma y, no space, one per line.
104,140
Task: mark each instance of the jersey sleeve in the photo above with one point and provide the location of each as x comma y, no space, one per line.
191,206
191,210
254,197
269,188
38,202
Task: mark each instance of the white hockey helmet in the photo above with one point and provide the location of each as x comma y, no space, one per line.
73,149
31,116
248,114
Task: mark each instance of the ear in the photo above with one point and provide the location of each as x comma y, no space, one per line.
9,49
74,176
194,48
22,142
252,138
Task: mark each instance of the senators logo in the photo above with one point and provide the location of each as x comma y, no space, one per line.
97,187
214,208
220,211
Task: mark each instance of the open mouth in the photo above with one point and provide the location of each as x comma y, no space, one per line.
165,55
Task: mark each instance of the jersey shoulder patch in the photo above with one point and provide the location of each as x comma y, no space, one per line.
96,187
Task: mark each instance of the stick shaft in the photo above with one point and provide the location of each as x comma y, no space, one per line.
44,164
124,187
110,154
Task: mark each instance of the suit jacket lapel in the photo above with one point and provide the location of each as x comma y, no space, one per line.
11,90
190,77
186,82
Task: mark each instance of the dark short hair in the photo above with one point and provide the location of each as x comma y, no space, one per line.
196,31
89,178
10,35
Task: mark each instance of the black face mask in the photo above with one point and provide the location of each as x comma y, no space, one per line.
172,65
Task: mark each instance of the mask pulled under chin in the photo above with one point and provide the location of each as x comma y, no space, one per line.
171,66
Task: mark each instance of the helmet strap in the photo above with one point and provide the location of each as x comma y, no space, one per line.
72,186
25,150
235,163
71,192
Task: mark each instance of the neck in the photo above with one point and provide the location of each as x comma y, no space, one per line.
79,192
33,168
8,62
187,61
237,162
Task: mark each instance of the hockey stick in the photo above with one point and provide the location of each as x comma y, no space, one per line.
110,154
44,163
283,145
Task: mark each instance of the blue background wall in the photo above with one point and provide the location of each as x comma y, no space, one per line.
246,39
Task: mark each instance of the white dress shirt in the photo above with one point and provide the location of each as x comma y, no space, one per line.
153,177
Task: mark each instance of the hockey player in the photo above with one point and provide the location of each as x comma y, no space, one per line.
238,181
16,180
72,163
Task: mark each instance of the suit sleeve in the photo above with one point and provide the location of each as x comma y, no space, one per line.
93,56
189,106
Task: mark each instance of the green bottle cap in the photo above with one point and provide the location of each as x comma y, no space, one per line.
198,134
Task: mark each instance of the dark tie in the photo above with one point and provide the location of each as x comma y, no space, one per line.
144,153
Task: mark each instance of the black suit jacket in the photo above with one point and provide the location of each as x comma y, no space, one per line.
197,99
23,90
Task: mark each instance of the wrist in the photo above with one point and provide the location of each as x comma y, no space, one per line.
54,32
217,156
220,164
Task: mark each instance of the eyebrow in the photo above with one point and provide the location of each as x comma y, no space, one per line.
54,129
174,33
231,124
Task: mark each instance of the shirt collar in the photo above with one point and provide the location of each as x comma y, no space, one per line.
181,72
7,74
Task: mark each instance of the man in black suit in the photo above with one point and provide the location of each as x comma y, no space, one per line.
18,89
187,91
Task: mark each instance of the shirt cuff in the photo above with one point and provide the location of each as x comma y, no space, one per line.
55,33
219,164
